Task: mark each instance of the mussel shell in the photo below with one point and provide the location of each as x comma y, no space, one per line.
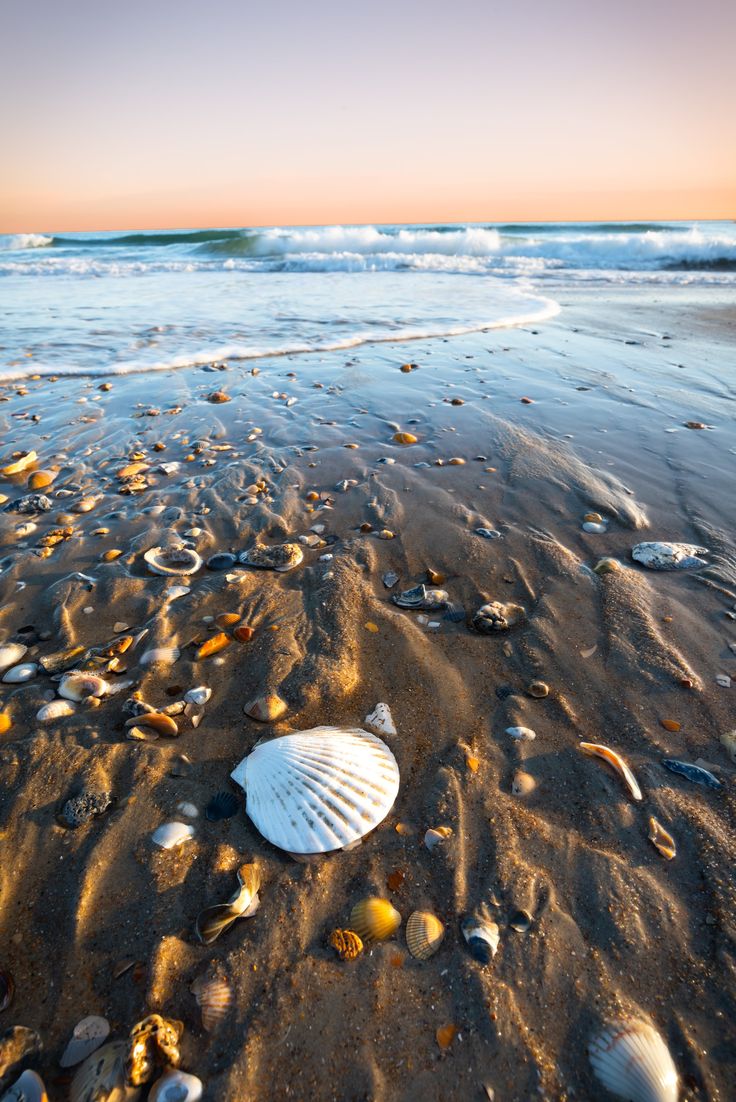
481,938
28,1088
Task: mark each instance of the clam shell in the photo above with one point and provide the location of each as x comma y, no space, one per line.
482,938
424,934
55,709
102,1076
16,675
78,685
374,919
176,1086
169,835
214,997
173,560
497,616
28,1088
318,790
10,655
521,734
87,1037
618,763
669,556
281,557
631,1060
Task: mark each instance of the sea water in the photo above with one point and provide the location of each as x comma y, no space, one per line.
124,302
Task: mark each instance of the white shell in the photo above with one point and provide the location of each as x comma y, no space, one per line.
176,1086
199,695
55,709
11,654
87,1037
668,556
175,591
165,656
78,685
631,1060
593,526
18,674
381,720
319,790
169,835
173,560
522,734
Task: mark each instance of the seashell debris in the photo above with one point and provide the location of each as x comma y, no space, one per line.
319,790
154,1041
374,919
176,1085
521,734
79,685
103,1075
424,934
55,709
173,560
10,655
222,806
660,838
213,921
169,835
17,675
421,597
632,1061
482,938
497,616
436,835
346,943
281,557
23,461
214,996
691,772
618,763
78,810
87,1037
669,556
200,695
380,720
266,709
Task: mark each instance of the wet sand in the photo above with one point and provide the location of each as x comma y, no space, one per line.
617,930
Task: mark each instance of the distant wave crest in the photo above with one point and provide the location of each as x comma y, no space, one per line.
24,241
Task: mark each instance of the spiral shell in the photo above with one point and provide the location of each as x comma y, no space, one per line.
631,1060
346,944
214,997
424,934
374,919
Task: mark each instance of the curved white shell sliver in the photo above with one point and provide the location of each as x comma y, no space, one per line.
319,790
632,1061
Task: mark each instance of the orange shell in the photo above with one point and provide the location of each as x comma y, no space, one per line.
214,644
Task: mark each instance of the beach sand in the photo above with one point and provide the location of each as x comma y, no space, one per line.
616,929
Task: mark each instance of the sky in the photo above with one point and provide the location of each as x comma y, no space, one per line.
180,113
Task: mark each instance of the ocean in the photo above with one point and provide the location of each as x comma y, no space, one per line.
116,303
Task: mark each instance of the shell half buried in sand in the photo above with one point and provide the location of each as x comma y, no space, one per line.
482,938
319,790
28,1088
282,557
497,616
596,750
632,1061
173,560
669,556
214,995
87,1037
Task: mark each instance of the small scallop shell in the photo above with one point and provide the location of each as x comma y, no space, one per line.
28,1088
87,1037
436,835
346,944
55,709
660,838
160,656
214,997
424,934
631,1060
374,919
482,938
78,685
173,560
176,1086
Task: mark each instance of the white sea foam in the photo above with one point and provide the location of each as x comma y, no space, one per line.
24,241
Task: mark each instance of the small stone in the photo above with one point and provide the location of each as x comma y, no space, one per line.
390,579
266,709
456,461
39,480
592,526
218,396
111,555
119,626
199,695
223,560
488,533
405,438
522,784
80,809
521,734
385,534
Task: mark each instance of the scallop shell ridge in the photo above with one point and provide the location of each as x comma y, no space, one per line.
632,1061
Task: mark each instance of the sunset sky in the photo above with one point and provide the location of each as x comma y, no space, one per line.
171,114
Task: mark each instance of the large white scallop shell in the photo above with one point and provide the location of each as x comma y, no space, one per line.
319,790
632,1061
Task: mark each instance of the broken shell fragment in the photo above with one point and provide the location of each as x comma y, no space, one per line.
319,790
87,1037
281,557
380,720
374,919
694,773
346,943
618,763
669,556
631,1060
170,835
497,616
20,463
214,645
424,934
660,838
436,835
102,1076
173,560
78,685
482,938
266,709
214,997
521,734
157,721
154,1042
420,597
213,921
10,655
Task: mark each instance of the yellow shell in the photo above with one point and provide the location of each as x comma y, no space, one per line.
214,997
157,721
214,645
5,723
39,480
424,934
154,1042
346,944
20,464
374,919
405,438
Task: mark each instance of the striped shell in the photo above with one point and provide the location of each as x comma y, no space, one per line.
78,685
346,944
214,997
424,934
55,709
319,790
631,1060
173,560
482,938
374,919
102,1076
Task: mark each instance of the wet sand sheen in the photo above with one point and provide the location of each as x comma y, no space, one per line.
616,928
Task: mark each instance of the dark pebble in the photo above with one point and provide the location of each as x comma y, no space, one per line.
504,691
